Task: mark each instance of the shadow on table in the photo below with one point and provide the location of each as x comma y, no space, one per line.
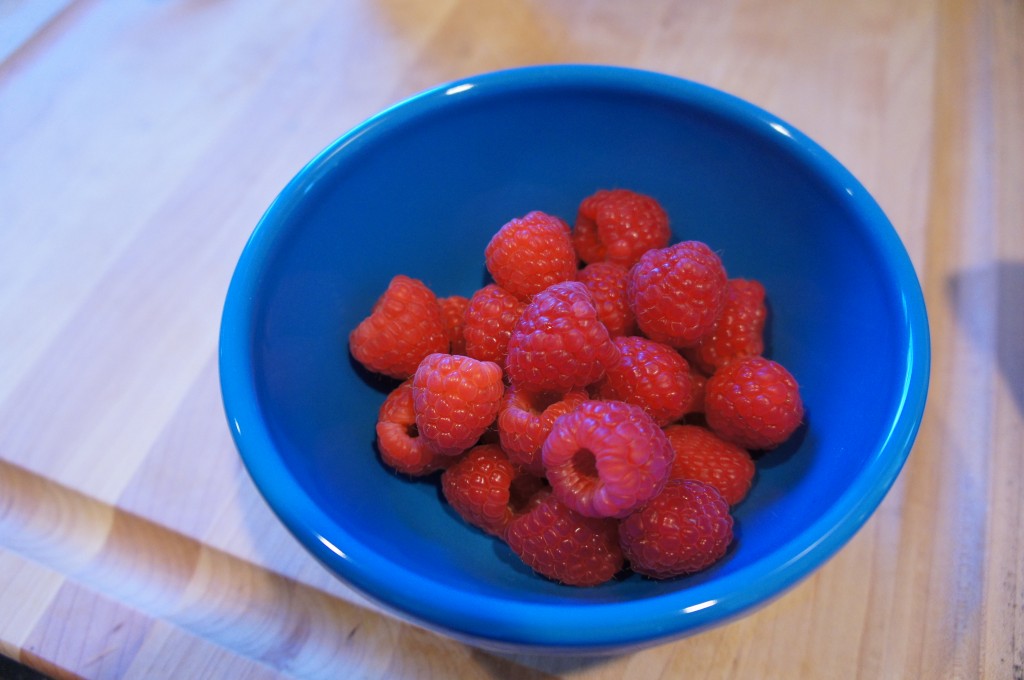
988,303
15,670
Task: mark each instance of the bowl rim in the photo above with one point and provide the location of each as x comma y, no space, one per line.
506,625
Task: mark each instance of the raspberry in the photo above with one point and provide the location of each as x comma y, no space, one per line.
565,546
677,292
606,282
453,314
530,253
606,458
753,402
527,491
397,437
559,344
651,375
404,326
706,457
456,399
619,226
490,316
699,381
483,487
685,529
525,419
739,330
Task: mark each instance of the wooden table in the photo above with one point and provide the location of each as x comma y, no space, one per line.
140,143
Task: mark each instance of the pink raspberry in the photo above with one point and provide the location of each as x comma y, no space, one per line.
606,458
684,529
559,344
456,399
677,293
530,253
619,225
651,375
563,545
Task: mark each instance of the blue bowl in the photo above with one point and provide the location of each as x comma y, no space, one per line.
419,189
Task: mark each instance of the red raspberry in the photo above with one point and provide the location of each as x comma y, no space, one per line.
397,438
685,529
677,293
754,403
565,546
490,317
699,382
484,488
456,399
527,492
453,314
606,458
525,419
651,375
530,253
606,282
706,457
404,326
619,226
559,344
739,330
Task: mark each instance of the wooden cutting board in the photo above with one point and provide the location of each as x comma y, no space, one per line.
140,143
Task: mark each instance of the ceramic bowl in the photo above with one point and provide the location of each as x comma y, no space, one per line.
419,189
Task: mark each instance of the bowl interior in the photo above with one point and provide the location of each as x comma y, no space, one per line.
420,189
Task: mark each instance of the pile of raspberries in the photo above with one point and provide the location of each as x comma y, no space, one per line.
596,406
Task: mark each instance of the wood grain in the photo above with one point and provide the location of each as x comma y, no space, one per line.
140,143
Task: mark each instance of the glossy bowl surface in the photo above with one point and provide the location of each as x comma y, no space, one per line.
419,189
